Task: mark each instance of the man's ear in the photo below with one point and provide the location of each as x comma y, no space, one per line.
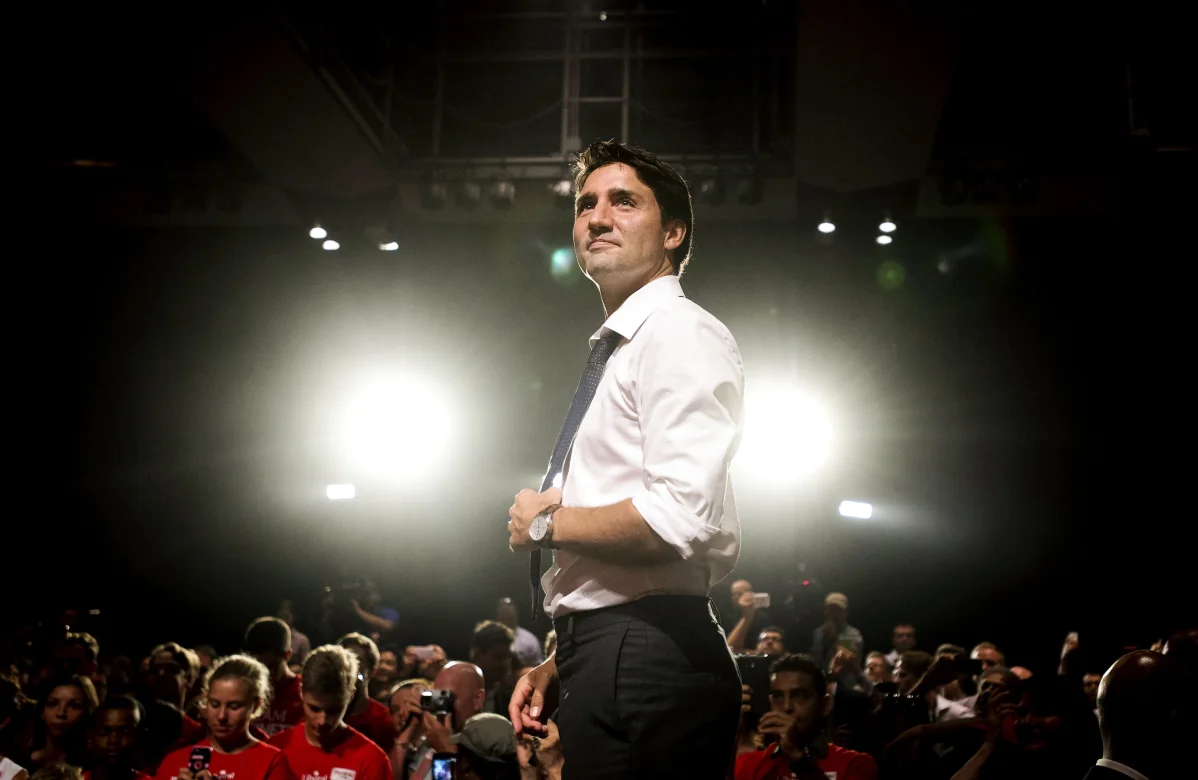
675,234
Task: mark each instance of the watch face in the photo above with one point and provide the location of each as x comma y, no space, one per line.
536,529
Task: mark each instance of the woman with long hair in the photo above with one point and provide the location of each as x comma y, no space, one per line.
236,691
59,734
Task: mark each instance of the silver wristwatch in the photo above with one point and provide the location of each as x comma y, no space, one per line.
540,530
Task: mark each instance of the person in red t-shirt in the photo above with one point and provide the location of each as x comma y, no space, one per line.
235,692
365,714
799,703
112,740
269,640
323,747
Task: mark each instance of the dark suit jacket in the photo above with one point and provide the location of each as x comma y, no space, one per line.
1102,773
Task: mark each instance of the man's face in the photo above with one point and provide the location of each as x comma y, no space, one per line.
618,232
988,656
1090,686
876,670
112,739
770,643
739,587
322,715
388,666
905,679
496,664
168,679
904,638
794,694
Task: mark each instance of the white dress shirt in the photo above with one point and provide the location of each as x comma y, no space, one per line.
1121,768
662,430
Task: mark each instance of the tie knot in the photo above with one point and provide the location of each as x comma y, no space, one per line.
604,347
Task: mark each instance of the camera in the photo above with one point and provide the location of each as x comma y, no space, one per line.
438,702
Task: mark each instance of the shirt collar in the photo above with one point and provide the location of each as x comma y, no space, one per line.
1121,768
631,315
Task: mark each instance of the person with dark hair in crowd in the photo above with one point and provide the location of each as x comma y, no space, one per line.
1148,716
771,641
486,748
324,746
387,673
903,639
268,639
491,651
64,708
112,740
235,692
78,653
365,714
10,708
527,648
911,668
172,670
794,729
646,508
301,645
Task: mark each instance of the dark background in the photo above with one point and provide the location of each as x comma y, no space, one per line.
1020,421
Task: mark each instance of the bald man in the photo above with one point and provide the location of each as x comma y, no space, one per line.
1146,716
469,690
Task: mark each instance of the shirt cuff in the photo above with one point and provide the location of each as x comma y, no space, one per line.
675,525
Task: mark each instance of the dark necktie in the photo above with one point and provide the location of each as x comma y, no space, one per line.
565,439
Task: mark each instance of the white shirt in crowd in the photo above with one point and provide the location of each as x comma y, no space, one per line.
665,423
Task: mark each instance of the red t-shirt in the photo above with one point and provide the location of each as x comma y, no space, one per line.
260,761
286,708
354,757
376,725
773,764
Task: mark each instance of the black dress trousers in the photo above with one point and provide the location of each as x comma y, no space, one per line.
648,690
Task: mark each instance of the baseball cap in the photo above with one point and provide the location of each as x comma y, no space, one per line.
489,736
837,599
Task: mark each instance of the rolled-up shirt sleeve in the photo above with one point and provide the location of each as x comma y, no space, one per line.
689,394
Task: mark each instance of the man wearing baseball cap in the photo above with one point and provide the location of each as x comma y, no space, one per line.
836,632
487,749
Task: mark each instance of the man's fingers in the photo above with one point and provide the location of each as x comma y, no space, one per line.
553,495
537,702
515,707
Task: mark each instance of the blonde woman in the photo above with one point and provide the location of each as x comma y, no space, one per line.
235,692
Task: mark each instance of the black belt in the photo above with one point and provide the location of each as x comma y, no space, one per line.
658,610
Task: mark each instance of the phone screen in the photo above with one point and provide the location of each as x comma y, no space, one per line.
445,766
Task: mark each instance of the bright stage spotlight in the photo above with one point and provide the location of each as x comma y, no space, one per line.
395,428
340,492
858,510
787,434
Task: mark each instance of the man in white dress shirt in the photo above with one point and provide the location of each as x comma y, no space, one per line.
645,522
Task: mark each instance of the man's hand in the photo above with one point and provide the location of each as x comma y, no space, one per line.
529,504
439,732
748,608
549,750
782,725
527,707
